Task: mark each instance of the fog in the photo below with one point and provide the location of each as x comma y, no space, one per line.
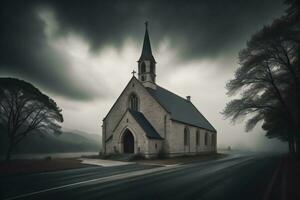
100,76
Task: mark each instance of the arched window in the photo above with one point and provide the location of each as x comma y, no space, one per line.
152,78
206,139
152,67
133,102
198,137
186,136
214,139
165,125
143,67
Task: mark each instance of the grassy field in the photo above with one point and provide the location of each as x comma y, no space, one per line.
16,167
182,159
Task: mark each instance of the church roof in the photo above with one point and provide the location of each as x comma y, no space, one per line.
147,52
180,109
145,124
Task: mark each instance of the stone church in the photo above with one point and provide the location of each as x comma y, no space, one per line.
149,119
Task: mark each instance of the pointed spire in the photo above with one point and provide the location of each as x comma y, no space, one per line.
147,52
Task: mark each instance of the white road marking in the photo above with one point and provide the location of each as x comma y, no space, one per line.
98,180
119,177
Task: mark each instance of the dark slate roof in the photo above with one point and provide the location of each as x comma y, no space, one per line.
145,124
147,52
180,109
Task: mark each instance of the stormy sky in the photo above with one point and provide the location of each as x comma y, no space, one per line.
81,53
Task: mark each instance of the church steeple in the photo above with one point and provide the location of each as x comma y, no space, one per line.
147,52
146,63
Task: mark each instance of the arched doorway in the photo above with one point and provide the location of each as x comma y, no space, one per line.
128,142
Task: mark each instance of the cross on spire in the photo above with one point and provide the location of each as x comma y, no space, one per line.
146,52
133,72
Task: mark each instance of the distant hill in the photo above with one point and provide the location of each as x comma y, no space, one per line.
68,141
91,136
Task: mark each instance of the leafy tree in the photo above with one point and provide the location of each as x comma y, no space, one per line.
23,109
268,80
293,10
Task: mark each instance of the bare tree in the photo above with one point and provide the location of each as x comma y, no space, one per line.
23,109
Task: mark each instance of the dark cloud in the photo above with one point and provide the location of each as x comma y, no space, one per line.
24,51
197,28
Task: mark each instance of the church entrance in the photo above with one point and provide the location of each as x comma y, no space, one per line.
128,142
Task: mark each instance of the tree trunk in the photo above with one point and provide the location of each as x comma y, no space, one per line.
293,146
291,142
297,141
290,147
8,153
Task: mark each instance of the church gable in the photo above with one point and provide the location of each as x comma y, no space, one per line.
136,97
151,133
136,119
125,125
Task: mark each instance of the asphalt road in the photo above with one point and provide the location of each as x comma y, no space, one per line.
237,177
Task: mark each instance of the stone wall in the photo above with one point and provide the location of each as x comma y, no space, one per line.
172,131
176,140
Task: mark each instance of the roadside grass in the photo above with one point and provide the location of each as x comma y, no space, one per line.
17,167
48,164
160,160
182,159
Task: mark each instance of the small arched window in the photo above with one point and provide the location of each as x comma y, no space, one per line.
165,125
206,138
143,67
152,67
198,137
214,139
186,136
152,77
133,102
